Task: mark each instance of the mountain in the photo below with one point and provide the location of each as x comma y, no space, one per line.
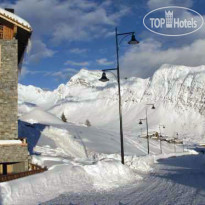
176,91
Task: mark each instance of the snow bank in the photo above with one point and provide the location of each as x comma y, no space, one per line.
106,174
110,173
41,187
40,116
137,163
142,164
38,188
64,140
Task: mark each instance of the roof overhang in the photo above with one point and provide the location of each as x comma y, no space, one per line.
14,19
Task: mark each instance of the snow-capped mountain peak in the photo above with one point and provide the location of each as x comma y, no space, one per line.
177,91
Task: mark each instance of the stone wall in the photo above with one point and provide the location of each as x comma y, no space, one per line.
8,89
13,153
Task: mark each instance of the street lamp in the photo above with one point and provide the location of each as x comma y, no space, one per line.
133,40
146,119
160,135
105,79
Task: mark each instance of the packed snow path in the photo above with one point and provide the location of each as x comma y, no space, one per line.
175,180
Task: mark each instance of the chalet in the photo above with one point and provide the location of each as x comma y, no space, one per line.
15,33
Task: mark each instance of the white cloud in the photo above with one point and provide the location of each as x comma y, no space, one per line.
78,50
67,20
153,4
23,72
63,74
60,21
144,59
104,61
71,70
40,50
70,62
110,33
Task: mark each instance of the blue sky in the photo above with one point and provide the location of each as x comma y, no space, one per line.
69,35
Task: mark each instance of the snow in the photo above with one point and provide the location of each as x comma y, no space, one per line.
15,18
9,142
84,163
39,116
177,92
175,181
36,96
62,139
66,178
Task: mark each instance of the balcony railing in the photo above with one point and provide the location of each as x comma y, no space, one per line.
35,169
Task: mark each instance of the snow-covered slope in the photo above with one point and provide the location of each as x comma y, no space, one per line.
34,95
177,91
86,159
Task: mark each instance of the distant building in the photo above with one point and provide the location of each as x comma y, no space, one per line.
14,38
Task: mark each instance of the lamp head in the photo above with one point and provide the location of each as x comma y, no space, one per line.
133,40
140,123
153,107
104,77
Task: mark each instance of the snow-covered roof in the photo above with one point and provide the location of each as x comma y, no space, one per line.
10,142
13,18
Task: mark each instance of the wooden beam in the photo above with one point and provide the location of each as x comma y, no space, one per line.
15,30
16,23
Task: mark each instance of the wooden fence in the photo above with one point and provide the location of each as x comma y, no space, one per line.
35,169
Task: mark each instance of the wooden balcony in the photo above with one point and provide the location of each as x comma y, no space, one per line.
34,169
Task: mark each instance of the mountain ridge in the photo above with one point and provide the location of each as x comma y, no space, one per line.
176,91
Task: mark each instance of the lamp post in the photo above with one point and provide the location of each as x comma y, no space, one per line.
160,135
141,132
146,119
105,79
175,138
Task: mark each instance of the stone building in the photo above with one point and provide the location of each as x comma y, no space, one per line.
14,38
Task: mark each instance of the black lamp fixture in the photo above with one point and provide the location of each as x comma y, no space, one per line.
104,78
153,107
140,123
133,40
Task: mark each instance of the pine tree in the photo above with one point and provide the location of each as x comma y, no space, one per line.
63,118
87,123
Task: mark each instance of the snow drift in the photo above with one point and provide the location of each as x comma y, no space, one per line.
38,188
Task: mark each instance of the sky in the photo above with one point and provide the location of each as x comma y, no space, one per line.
69,35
